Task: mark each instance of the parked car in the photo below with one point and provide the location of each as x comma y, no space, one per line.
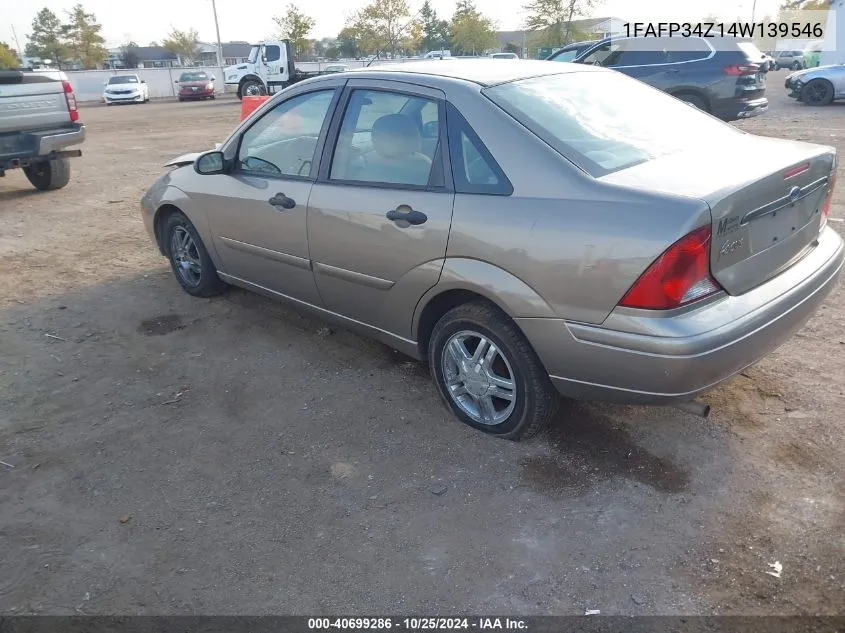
336,68
813,54
793,59
195,84
504,56
519,226
817,86
722,76
39,124
569,52
126,89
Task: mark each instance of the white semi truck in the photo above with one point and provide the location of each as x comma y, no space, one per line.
269,69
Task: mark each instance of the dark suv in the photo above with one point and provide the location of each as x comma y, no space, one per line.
720,75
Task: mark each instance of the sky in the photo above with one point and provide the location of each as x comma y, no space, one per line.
150,20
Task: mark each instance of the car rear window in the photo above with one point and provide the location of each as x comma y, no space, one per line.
606,121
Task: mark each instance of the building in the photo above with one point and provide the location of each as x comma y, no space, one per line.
233,53
148,57
590,29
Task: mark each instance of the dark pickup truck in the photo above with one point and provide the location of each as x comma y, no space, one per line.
39,121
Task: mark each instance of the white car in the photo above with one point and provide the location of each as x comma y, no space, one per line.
126,89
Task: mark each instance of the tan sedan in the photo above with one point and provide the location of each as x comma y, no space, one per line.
520,226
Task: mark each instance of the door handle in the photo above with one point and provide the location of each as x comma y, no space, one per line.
281,200
404,214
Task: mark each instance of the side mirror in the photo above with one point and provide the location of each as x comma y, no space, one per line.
210,163
176,81
211,78
143,81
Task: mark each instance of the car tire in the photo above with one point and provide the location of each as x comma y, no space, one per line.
818,92
462,330
796,66
180,99
248,85
694,100
191,264
49,174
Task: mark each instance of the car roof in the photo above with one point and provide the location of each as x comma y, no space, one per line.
484,72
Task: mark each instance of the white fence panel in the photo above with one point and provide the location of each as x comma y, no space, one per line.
89,84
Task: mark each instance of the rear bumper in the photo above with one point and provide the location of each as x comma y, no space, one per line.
28,145
637,358
742,109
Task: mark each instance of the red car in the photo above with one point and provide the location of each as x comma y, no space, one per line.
195,85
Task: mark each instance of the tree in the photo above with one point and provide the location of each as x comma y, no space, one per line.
45,40
554,18
295,27
129,55
381,25
435,32
472,32
8,56
184,44
83,39
348,42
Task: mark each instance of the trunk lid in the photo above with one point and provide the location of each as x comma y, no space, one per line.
765,197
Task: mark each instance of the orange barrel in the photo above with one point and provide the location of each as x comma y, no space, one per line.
250,104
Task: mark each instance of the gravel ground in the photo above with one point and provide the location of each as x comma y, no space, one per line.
230,456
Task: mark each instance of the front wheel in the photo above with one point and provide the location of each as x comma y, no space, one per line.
818,92
49,174
488,375
252,88
189,259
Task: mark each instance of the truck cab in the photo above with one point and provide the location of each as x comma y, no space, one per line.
269,69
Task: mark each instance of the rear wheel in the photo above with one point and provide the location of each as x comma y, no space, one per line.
487,373
48,174
189,259
818,92
694,100
796,65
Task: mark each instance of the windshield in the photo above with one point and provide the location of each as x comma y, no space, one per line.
126,79
198,76
606,121
253,54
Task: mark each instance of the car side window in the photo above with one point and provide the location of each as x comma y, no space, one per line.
474,169
604,55
283,141
566,56
387,137
272,53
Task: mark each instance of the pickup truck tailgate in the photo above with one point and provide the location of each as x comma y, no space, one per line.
31,102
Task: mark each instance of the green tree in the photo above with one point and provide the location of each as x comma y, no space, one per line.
83,39
184,44
46,38
8,56
348,42
435,32
472,32
129,55
381,26
552,19
295,27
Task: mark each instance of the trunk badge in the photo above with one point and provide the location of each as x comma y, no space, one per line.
794,194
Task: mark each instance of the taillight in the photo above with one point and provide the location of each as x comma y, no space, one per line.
71,101
679,276
742,69
828,198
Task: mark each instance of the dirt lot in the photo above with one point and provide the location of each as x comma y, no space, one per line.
176,455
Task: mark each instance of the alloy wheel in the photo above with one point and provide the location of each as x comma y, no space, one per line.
186,257
479,377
